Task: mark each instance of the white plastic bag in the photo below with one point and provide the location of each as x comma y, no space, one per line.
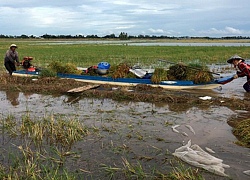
196,156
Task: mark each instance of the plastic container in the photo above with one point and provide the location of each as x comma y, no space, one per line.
103,65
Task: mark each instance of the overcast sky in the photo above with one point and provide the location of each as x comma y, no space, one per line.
213,18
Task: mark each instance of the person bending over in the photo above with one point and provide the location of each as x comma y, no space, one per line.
11,59
243,69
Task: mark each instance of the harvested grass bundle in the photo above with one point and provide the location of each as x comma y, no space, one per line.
177,72
193,72
120,71
67,68
47,73
242,131
198,74
159,75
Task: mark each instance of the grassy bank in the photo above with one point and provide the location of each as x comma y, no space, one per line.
90,54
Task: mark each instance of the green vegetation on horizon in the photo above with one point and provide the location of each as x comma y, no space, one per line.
86,55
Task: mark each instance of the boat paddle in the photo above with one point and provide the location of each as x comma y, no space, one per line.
225,80
198,69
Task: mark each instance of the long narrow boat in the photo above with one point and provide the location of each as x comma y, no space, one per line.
177,85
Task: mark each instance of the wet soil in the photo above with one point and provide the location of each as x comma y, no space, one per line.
135,122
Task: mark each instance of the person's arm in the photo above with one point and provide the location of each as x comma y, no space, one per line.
17,58
244,71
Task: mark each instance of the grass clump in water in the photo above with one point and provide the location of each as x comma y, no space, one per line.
41,147
58,131
182,173
242,132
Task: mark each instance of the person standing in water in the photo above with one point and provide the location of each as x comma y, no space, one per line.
243,70
11,59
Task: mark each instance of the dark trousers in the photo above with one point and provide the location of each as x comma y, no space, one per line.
246,86
10,67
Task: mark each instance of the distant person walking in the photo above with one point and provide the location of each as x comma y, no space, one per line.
11,59
243,69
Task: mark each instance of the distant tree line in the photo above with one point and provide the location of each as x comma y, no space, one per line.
122,36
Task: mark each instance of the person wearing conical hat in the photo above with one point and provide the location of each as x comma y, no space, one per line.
244,69
11,59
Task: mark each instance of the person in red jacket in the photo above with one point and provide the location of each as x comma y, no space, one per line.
243,69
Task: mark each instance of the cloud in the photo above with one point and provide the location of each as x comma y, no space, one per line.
227,31
156,31
161,17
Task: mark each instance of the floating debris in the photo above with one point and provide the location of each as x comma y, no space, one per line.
209,150
114,88
83,88
205,98
190,128
247,172
174,128
196,156
184,134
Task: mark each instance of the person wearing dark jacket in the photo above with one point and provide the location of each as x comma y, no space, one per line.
11,59
243,70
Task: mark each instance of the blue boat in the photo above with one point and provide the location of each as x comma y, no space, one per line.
175,85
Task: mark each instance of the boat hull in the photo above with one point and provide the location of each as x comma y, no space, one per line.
165,86
175,85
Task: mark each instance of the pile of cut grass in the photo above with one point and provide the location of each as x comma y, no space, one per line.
193,72
242,132
120,71
67,68
159,75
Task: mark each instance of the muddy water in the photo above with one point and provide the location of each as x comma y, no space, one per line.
136,129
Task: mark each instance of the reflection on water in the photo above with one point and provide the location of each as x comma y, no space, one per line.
12,96
142,43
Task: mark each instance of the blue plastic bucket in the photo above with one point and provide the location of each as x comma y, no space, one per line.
103,65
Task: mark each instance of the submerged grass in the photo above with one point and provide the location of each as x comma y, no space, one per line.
136,170
56,131
43,147
183,173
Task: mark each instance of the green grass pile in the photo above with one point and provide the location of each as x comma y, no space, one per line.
159,75
193,72
242,132
67,68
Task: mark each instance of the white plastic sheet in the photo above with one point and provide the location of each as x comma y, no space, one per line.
196,156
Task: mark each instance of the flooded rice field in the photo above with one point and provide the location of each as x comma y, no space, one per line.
139,132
